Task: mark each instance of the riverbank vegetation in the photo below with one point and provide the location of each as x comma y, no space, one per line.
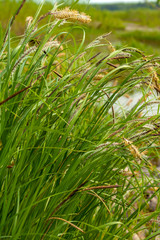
132,28
73,165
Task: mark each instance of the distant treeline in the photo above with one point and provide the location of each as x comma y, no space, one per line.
124,6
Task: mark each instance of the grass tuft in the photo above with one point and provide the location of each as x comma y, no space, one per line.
73,166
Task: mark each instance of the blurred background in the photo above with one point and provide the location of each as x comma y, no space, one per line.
134,23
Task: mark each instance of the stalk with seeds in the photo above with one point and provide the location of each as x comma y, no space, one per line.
65,172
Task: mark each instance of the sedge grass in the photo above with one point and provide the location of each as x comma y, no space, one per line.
71,166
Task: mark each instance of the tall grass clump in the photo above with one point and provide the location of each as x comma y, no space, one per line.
73,167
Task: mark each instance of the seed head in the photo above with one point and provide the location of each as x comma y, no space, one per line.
155,78
72,15
29,20
133,149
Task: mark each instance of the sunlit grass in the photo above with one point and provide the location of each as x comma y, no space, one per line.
72,167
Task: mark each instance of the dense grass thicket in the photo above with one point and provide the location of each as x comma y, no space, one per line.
71,166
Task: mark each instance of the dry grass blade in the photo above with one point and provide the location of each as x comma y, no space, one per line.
101,187
58,74
44,16
112,65
101,199
64,220
70,195
20,91
14,95
97,54
61,204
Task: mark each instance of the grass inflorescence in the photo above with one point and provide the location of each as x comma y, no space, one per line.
72,166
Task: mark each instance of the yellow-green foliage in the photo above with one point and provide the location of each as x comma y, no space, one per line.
108,21
72,165
102,21
8,8
145,17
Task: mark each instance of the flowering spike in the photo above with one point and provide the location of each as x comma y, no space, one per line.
72,15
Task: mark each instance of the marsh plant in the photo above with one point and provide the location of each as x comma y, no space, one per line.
71,166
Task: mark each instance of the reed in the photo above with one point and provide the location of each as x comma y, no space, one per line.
69,164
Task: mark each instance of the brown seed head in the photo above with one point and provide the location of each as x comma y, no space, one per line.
72,15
